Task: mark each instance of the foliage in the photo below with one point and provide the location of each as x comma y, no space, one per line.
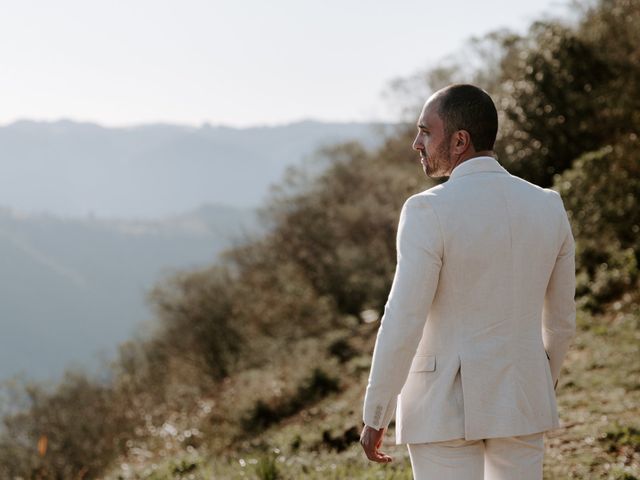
267,468
196,321
621,436
602,193
314,388
552,86
342,350
344,218
72,431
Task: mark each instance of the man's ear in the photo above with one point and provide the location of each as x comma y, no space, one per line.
461,141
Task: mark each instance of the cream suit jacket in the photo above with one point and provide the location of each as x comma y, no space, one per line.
481,311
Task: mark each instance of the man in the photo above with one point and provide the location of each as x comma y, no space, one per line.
481,311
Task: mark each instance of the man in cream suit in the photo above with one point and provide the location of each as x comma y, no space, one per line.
481,311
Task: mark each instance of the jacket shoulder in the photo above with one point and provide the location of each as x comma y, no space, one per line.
425,201
548,194
549,198
428,194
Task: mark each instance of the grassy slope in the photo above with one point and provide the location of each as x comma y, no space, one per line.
598,395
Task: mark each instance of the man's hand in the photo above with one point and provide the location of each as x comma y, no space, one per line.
371,439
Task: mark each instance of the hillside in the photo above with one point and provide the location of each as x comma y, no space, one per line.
598,399
90,277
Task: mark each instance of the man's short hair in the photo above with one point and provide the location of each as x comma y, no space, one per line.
467,107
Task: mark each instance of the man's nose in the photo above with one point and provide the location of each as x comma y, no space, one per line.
417,145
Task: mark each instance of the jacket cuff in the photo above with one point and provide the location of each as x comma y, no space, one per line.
379,416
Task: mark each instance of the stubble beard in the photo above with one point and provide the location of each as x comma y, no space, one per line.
436,166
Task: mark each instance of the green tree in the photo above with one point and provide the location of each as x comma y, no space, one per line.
602,193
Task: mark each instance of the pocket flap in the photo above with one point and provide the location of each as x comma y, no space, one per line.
423,363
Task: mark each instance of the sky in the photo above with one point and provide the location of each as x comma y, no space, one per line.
230,62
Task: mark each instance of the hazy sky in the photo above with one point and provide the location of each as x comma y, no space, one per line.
234,62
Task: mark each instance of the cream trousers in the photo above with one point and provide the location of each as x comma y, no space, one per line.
517,458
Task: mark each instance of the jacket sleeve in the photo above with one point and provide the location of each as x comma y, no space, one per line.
559,309
419,245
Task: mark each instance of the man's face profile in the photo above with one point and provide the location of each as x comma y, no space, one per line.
430,141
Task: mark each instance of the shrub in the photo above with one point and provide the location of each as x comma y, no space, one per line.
601,193
342,350
317,386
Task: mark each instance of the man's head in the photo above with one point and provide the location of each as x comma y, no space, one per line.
457,122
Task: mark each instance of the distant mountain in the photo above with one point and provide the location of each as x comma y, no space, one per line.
100,222
150,171
71,288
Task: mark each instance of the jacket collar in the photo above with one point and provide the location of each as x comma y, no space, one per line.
477,165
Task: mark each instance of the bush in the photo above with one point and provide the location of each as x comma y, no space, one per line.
317,386
77,429
602,193
342,350
195,312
